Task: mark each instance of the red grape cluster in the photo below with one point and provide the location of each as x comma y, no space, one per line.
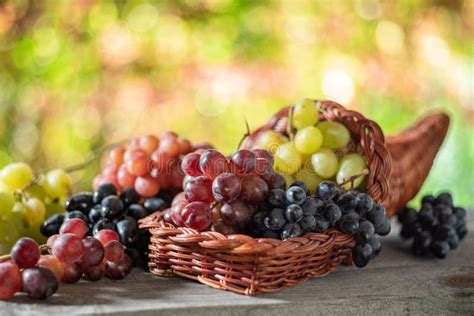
221,193
147,163
72,256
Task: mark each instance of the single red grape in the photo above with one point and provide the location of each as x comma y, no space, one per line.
119,270
93,252
74,226
94,273
264,169
39,283
26,253
106,235
147,186
213,163
51,241
196,215
244,161
114,251
226,187
10,280
161,161
190,164
175,212
148,143
68,248
72,273
199,189
125,178
236,214
254,189
220,227
277,181
138,164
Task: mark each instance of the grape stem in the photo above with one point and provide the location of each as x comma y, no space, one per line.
352,178
4,258
247,134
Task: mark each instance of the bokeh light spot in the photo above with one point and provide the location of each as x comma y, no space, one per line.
337,85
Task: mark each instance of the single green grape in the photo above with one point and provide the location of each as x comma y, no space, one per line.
351,164
308,176
8,234
35,210
7,201
305,114
287,159
35,233
308,140
58,183
18,217
335,135
36,191
16,175
324,163
270,140
54,208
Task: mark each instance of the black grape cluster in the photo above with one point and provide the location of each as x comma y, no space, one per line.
437,228
296,212
108,209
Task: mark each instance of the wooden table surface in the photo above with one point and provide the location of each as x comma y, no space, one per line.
394,283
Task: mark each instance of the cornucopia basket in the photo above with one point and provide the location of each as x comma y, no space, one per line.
397,167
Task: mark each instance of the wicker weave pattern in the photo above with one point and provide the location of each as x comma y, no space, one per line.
249,266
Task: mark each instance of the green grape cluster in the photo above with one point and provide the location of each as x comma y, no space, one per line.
313,154
26,200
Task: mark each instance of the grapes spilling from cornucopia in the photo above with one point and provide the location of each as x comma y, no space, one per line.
309,179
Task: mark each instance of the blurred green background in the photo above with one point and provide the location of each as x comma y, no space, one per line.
78,74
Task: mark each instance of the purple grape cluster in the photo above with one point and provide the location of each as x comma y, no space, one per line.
295,212
437,228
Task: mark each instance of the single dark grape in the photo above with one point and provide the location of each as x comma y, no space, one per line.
429,199
460,213
347,202
321,224
450,220
428,222
76,214
52,225
443,232
296,195
291,230
112,207
407,215
129,196
421,243
94,273
271,234
365,232
453,241
155,204
376,247
80,202
275,220
72,273
258,221
361,254
440,249
327,190
127,229
380,220
332,213
442,209
103,191
39,283
410,230
364,203
103,224
137,211
444,198
293,213
277,181
302,185
277,197
95,214
348,224
313,206
462,231
308,222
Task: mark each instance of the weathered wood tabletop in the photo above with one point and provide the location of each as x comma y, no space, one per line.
396,283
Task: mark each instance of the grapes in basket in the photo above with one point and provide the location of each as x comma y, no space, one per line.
294,212
109,209
222,193
437,228
26,199
71,255
314,151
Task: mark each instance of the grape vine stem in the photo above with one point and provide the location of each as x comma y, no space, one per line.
352,178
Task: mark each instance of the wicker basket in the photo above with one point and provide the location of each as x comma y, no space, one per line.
250,266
